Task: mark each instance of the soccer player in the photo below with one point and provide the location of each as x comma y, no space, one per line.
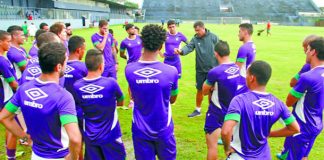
306,66
252,114
246,53
307,99
222,84
32,31
9,85
154,85
59,29
25,30
17,55
133,45
268,28
75,70
33,69
104,42
33,52
173,41
44,26
69,32
204,42
97,97
50,117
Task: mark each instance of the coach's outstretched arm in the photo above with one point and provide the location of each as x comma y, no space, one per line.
186,49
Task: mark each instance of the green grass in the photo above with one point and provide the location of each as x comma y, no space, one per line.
282,50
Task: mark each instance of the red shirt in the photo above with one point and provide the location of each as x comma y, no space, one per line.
268,25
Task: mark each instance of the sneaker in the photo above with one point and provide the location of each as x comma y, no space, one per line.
194,114
131,104
220,142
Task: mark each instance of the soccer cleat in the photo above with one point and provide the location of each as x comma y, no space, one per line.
194,114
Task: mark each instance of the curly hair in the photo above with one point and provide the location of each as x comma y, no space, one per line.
153,36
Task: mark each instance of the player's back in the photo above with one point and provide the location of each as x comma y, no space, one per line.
227,83
258,111
309,108
43,113
97,98
152,84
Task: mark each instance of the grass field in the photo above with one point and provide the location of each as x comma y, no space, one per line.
282,50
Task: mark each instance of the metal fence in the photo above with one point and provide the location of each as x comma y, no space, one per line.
14,12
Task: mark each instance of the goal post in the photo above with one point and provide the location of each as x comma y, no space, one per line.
225,20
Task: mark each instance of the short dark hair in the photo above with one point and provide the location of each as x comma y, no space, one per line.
45,38
170,22
103,23
199,24
3,35
153,36
42,25
50,55
222,48
93,59
137,28
318,45
128,26
13,29
75,42
261,70
111,31
57,28
67,25
248,27
39,32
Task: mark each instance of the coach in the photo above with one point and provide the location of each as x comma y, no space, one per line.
204,42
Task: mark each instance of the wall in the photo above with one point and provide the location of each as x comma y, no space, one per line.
76,23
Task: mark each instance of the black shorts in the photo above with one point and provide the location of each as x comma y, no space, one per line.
200,79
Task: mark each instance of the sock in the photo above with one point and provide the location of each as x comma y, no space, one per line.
11,154
198,109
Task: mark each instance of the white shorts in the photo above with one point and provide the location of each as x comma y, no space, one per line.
35,157
234,156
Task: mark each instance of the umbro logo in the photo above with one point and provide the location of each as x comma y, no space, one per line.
34,71
35,94
147,72
68,69
323,75
232,70
91,88
34,60
264,103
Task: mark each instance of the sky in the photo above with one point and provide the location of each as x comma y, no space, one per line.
318,2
